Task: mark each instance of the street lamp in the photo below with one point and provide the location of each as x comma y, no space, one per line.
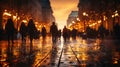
78,19
114,16
85,14
73,22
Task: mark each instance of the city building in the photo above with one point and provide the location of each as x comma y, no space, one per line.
74,22
96,12
72,17
47,13
23,10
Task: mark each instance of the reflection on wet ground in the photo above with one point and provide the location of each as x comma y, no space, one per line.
74,53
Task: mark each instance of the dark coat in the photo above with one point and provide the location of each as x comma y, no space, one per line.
54,30
9,27
23,29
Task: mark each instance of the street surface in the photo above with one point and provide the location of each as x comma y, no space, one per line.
73,53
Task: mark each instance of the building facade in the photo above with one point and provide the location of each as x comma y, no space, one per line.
72,17
47,13
39,10
100,11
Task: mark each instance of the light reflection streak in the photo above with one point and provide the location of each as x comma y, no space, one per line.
44,47
8,14
82,47
62,42
115,60
84,56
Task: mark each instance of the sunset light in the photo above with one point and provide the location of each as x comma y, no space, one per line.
59,33
62,9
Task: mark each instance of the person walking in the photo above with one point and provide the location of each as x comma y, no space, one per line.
65,34
31,30
54,32
43,32
23,31
74,33
10,30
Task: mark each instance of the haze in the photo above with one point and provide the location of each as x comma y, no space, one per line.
62,9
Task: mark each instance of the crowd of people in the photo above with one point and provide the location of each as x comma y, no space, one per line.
31,31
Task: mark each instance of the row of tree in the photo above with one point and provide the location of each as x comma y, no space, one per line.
100,10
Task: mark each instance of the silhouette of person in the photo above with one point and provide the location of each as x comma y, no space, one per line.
116,30
31,30
10,30
23,31
74,33
54,32
43,32
59,33
65,33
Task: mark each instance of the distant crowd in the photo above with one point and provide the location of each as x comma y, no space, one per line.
31,31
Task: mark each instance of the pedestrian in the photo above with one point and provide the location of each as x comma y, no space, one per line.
31,30
43,32
59,33
116,31
10,30
54,32
23,31
74,33
68,34
65,34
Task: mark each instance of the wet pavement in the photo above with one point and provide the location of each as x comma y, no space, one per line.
73,53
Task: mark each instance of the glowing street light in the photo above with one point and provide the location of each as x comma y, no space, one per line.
14,17
25,21
99,21
73,22
78,19
7,14
115,14
85,14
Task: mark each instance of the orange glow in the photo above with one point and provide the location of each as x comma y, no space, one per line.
85,14
115,62
62,9
78,19
14,17
99,21
8,14
25,21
